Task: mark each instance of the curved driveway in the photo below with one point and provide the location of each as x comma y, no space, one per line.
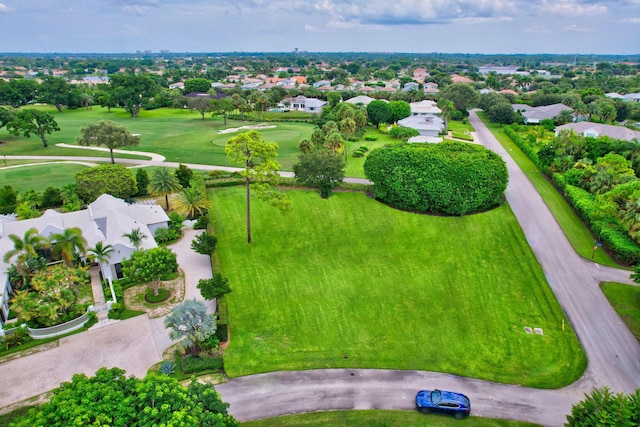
612,351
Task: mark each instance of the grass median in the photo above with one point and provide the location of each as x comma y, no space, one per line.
574,228
351,283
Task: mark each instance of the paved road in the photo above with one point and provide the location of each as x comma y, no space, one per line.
612,351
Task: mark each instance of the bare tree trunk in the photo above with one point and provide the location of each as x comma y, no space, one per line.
248,211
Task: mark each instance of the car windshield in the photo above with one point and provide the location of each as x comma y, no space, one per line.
435,396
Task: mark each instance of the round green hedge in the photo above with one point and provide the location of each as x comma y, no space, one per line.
451,178
163,294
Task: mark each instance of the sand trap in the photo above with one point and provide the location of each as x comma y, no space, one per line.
251,127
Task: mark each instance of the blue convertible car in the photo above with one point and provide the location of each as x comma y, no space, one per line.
443,402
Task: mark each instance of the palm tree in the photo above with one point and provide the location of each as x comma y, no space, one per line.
135,236
162,183
347,126
189,321
100,253
27,246
191,200
68,243
447,108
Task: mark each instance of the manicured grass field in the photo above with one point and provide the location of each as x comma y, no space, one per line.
378,418
625,299
179,135
576,231
39,177
351,277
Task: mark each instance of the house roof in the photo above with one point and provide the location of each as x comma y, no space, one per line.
424,107
616,132
545,111
360,99
423,122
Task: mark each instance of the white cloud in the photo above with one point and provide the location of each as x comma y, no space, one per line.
573,8
630,21
4,8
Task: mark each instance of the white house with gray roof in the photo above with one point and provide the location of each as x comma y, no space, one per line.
427,125
598,129
107,219
534,115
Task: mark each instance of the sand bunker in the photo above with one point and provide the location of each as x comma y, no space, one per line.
251,127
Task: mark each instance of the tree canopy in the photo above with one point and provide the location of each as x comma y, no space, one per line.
108,133
150,266
112,398
447,178
320,168
111,179
603,408
30,121
257,156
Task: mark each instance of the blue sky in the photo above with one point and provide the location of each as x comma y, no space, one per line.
468,26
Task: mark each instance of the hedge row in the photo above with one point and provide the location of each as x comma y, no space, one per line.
524,145
605,226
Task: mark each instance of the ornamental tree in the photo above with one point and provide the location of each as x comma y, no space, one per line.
604,408
215,287
150,266
379,112
189,322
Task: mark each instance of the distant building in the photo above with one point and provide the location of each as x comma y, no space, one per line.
597,129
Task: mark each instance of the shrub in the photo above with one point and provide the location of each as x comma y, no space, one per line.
451,178
222,332
371,138
201,223
167,367
399,132
163,294
190,364
19,337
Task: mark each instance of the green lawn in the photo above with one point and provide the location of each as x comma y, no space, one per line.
380,418
349,276
576,231
41,176
625,299
179,135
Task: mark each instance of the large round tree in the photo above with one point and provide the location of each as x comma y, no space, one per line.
448,178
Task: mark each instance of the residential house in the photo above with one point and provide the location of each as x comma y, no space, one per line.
107,219
361,99
533,115
431,88
302,103
428,125
598,129
424,108
409,86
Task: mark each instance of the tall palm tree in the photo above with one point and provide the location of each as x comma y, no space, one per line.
162,183
347,126
135,236
191,200
68,243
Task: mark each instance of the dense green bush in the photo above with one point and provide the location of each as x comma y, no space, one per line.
190,364
111,179
451,178
222,332
605,226
399,132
